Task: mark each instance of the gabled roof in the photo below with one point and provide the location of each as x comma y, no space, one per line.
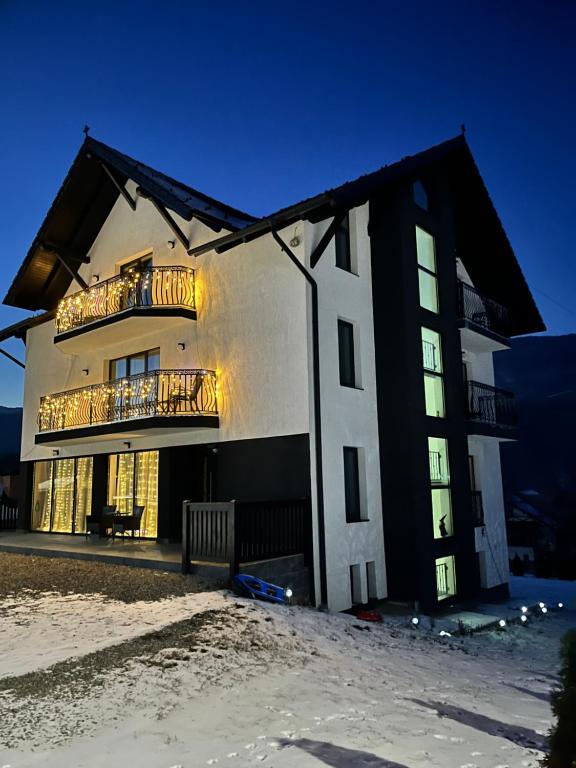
484,246
82,205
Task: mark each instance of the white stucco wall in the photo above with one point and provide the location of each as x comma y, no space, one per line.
349,418
251,329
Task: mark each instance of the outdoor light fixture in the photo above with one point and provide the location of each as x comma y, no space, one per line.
415,620
288,592
95,278
443,633
524,609
502,623
85,371
560,605
171,244
181,346
541,605
295,241
523,618
544,609
55,452
128,444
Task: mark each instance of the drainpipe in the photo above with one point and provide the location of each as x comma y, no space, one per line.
317,414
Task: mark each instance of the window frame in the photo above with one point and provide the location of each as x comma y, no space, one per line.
147,353
353,507
347,367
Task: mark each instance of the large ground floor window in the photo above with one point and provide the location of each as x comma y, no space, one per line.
133,481
62,495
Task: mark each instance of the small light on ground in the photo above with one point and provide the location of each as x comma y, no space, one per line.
560,605
288,592
544,609
523,618
541,605
524,609
502,623
443,633
415,620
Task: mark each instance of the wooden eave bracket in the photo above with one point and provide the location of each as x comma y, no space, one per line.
120,187
326,237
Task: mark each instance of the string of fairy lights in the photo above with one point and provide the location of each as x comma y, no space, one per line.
172,286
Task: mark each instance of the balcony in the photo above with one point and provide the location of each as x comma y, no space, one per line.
480,315
150,292
157,401
490,411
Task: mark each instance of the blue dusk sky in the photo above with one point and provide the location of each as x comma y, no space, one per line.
262,104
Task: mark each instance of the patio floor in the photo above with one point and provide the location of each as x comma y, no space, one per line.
140,554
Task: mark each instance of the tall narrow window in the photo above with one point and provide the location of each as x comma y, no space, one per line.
440,487
346,354
352,485
433,368
420,195
427,280
342,241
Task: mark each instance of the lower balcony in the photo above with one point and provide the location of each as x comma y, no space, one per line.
490,411
148,403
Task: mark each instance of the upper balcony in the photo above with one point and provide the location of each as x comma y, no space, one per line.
490,411
485,323
155,402
87,318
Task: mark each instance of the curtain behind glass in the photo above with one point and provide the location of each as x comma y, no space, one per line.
83,493
42,496
63,496
121,482
147,491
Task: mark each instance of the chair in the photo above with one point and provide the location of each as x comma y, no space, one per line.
126,523
97,523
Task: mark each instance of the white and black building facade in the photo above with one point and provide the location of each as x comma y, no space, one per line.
339,350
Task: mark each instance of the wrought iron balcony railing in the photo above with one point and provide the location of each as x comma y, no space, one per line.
438,474
482,311
490,405
157,393
477,508
136,289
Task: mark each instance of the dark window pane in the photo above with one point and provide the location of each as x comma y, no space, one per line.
351,485
346,353
342,240
137,364
153,362
118,369
420,195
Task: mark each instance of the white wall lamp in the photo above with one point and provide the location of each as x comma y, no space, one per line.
95,278
181,346
85,371
128,444
171,244
55,452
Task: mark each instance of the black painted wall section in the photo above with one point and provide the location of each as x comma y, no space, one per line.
411,549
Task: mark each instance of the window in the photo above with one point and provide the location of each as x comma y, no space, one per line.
62,495
352,486
420,195
133,481
342,242
440,487
433,367
346,354
445,577
438,460
142,362
427,281
144,262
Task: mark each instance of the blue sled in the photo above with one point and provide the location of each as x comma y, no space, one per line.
252,586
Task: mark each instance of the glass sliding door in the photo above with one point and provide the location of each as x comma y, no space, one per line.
133,481
62,495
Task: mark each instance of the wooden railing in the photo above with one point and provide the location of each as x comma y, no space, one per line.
234,532
189,392
138,288
8,516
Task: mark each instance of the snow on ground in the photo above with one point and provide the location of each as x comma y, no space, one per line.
38,631
240,684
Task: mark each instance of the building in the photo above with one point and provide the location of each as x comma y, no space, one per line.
339,349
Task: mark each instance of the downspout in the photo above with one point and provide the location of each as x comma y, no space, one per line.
317,414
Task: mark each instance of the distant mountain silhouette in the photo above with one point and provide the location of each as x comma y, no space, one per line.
541,371
10,432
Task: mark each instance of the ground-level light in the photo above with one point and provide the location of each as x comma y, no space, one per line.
541,605
502,623
560,605
523,618
524,609
288,592
415,620
443,633
544,609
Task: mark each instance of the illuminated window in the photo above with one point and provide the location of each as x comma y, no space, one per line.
434,395
62,495
427,280
133,481
433,367
445,577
